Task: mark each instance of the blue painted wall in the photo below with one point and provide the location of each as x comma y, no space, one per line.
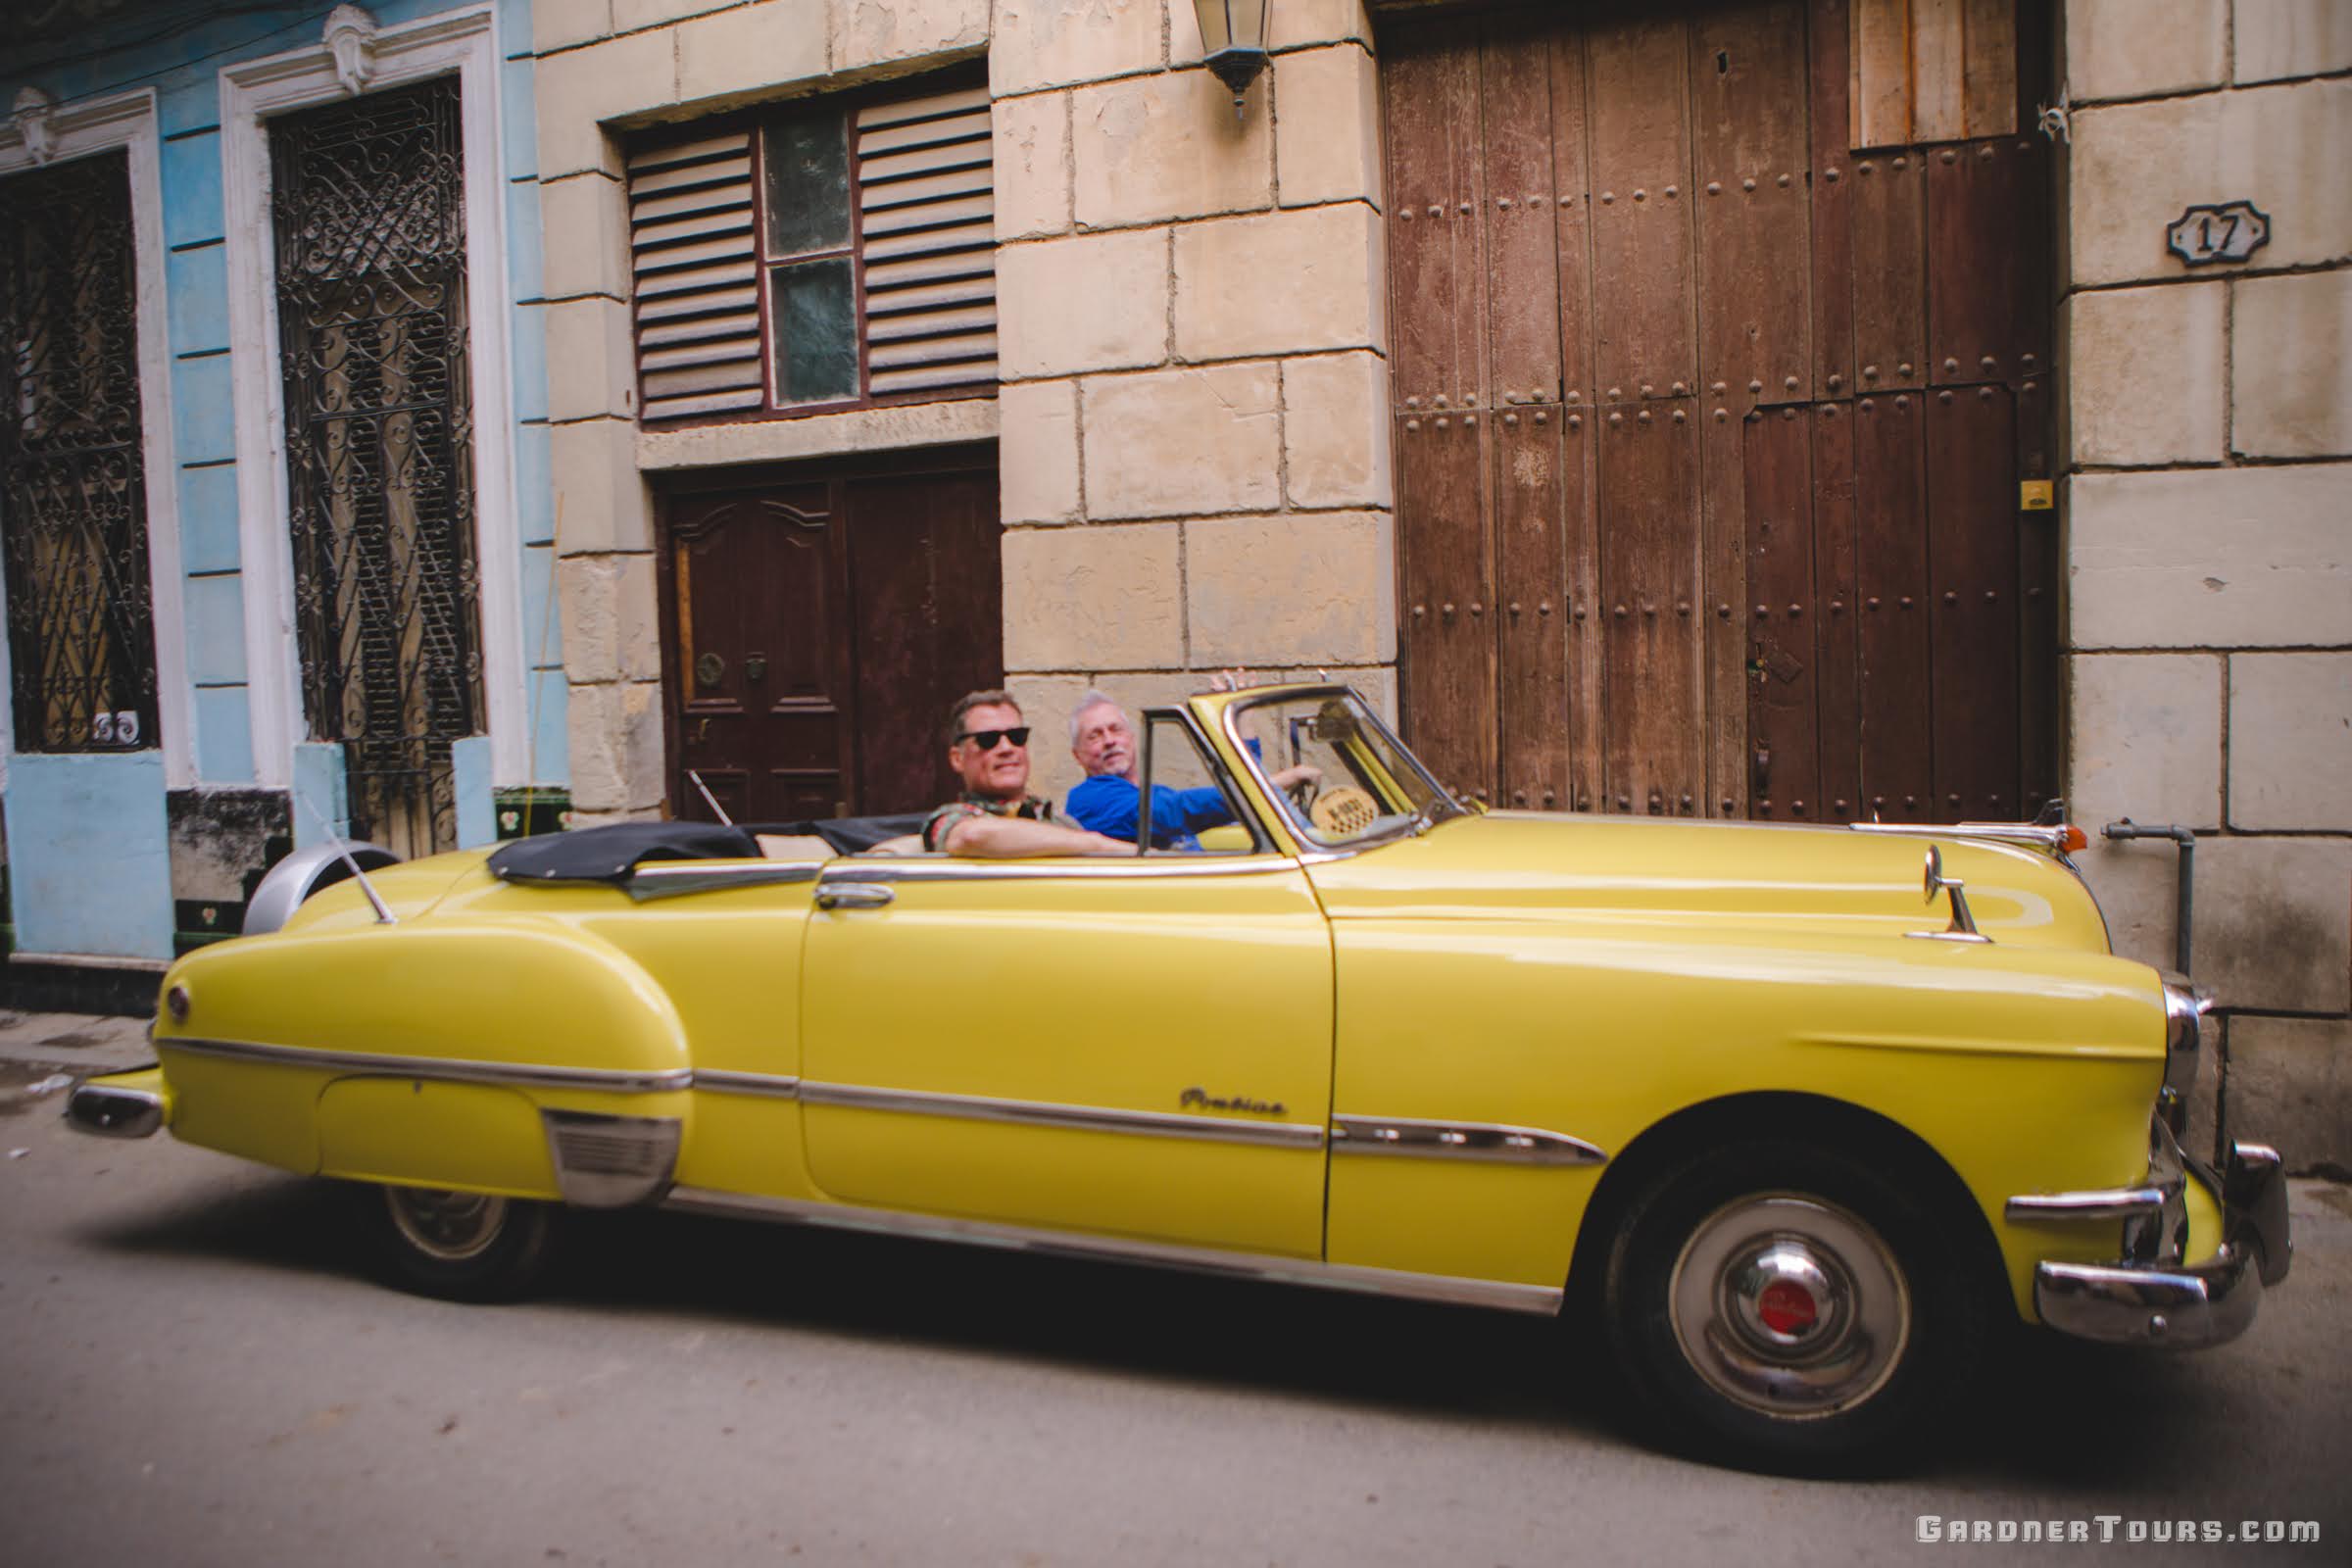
90,855
87,841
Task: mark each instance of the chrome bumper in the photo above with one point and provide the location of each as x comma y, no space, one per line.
105,1110
2148,1298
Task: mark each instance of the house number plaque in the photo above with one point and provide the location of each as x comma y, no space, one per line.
2226,231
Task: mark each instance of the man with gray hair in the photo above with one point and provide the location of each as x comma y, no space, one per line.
1110,799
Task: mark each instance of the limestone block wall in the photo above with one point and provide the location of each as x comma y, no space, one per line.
1192,309
2209,522
1192,428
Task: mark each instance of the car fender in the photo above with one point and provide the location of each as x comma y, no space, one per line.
485,1020
2022,1068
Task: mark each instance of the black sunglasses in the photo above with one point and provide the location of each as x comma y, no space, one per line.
988,738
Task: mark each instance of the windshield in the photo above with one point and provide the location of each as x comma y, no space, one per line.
1364,785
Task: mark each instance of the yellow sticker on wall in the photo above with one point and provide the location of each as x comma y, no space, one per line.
2033,495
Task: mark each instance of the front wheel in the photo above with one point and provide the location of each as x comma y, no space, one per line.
1786,1308
463,1246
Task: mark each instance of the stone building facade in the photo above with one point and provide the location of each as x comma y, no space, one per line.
2209,517
1171,357
1192,426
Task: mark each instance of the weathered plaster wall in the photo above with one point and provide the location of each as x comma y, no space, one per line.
78,823
2209,517
1191,316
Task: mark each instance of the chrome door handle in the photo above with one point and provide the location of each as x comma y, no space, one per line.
853,896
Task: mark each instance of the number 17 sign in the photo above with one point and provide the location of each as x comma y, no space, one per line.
2228,231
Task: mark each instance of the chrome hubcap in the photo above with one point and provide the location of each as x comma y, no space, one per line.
1789,1305
450,1226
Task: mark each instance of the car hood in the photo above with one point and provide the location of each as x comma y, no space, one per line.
1632,870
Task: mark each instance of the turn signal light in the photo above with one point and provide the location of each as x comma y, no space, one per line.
2076,839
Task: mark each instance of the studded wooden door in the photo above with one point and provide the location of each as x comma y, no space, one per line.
1719,336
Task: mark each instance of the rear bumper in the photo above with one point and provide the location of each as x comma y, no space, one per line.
123,1104
2149,1297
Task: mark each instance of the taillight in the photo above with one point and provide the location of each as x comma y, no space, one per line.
2074,839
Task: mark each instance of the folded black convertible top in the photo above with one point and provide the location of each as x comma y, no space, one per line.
610,852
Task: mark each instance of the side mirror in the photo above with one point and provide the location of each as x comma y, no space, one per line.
1964,923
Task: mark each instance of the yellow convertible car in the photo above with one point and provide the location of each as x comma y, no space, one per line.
1804,1114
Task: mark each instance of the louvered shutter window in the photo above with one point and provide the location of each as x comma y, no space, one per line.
926,215
826,257
697,277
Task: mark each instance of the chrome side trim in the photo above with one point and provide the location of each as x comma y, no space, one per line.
1082,1119
2154,1210
760,1085
103,1110
1447,1289
1491,1142
2026,835
611,1161
669,880
2121,1203
1113,869
439,1070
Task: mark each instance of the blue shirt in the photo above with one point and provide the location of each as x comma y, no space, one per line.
1109,805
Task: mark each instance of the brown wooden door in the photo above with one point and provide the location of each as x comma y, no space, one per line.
818,631
1711,411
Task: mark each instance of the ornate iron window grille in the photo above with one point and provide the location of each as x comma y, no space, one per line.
72,485
368,200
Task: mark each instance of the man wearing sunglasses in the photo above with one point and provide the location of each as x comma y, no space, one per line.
995,815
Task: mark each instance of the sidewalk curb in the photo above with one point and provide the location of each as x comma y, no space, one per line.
83,1045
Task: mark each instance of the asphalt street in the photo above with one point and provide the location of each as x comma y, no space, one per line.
199,1370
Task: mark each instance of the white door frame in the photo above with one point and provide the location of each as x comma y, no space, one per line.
459,42
128,120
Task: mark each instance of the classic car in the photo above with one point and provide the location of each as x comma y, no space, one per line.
1799,1114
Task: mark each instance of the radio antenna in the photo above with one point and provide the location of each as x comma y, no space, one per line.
383,912
710,799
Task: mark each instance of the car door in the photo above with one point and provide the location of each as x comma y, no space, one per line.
1137,1047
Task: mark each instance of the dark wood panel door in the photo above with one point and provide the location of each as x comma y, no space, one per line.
1747,403
816,633
759,671
928,591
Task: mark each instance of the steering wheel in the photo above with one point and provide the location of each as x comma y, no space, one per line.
1343,811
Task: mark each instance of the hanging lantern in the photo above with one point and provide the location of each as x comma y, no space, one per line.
1233,32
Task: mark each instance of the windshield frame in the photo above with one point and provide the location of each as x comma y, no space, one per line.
1442,806
1243,814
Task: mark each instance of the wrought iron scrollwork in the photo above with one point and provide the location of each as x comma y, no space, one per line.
72,487
368,200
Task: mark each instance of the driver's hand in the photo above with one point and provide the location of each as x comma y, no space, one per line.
1292,777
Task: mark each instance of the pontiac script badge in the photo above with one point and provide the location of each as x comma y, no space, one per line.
1200,1098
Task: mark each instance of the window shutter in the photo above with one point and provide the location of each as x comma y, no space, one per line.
693,254
926,219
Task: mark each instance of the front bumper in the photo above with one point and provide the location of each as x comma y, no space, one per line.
2148,1296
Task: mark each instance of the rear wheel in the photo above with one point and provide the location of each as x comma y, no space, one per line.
1786,1308
463,1246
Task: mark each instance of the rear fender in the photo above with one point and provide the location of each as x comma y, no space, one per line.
420,1053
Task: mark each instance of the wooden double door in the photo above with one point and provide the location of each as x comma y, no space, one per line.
1720,342
818,627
